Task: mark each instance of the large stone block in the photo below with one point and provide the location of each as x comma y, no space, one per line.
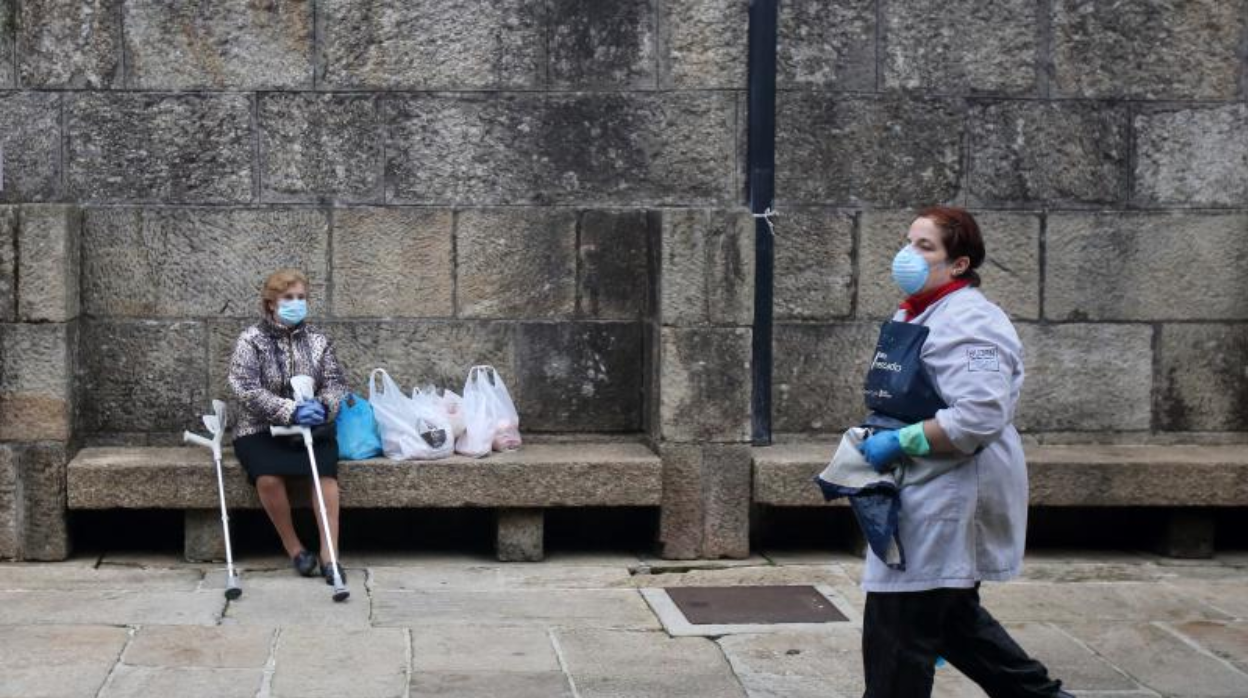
10,503
235,44
1057,152
707,268
35,382
1116,266
8,27
614,279
608,148
1086,378
961,46
1154,49
444,44
419,353
69,43
393,262
45,526
705,384
8,263
580,376
818,375
143,376
602,44
1010,272
703,43
814,270
48,263
1192,157
683,509
516,263
30,141
179,262
880,151
825,44
727,474
159,147
1201,382
318,147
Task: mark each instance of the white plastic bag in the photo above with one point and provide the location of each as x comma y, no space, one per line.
490,415
408,427
432,424
453,404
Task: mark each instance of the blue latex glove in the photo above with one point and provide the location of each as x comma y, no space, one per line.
310,414
882,449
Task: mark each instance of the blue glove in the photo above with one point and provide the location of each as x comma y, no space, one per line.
882,449
310,414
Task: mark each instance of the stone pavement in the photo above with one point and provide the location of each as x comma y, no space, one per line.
1109,624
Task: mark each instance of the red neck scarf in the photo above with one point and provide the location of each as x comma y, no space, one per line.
916,304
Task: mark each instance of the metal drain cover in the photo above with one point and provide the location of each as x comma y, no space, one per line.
754,605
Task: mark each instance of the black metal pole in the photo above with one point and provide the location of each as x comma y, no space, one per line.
761,172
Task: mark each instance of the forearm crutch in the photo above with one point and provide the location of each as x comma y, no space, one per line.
305,389
216,426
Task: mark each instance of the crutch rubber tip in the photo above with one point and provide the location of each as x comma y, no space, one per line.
233,593
341,596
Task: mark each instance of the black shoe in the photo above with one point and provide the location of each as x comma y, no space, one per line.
304,563
328,573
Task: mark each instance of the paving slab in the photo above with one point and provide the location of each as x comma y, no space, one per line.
482,649
1226,640
308,604
510,608
211,647
79,577
110,608
83,656
184,682
747,576
1077,602
312,663
1067,659
1161,661
1228,596
550,684
615,663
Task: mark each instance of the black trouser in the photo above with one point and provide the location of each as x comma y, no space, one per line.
904,632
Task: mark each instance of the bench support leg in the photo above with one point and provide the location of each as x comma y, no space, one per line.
201,537
520,534
1188,534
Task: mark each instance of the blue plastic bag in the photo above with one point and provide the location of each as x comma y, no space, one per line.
357,430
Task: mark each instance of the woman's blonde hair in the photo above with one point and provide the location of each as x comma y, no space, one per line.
277,284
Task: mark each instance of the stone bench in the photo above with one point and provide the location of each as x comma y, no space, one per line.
518,485
1188,480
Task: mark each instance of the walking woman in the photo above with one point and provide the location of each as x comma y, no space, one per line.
967,525
266,356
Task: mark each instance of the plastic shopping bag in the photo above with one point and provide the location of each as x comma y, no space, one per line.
400,421
490,418
432,424
357,430
453,405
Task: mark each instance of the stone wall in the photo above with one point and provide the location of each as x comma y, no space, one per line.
556,187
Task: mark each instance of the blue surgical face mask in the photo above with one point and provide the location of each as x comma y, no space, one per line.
910,270
292,312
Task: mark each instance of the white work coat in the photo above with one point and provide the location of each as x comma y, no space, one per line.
969,524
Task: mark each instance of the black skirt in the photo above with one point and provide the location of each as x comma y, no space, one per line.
265,454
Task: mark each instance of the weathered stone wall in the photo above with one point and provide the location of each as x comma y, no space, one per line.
510,181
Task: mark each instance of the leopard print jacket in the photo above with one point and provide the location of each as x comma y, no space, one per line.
265,357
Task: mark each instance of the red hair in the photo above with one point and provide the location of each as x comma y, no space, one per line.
960,235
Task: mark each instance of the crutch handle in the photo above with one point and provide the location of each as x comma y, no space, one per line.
198,440
285,431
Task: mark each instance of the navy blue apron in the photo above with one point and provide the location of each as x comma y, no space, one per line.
898,390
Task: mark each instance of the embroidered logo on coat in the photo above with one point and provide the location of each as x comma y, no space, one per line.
982,359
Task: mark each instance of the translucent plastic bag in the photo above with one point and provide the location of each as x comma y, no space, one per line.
409,428
453,404
490,415
433,424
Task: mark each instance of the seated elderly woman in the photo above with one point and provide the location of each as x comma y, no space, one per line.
266,356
